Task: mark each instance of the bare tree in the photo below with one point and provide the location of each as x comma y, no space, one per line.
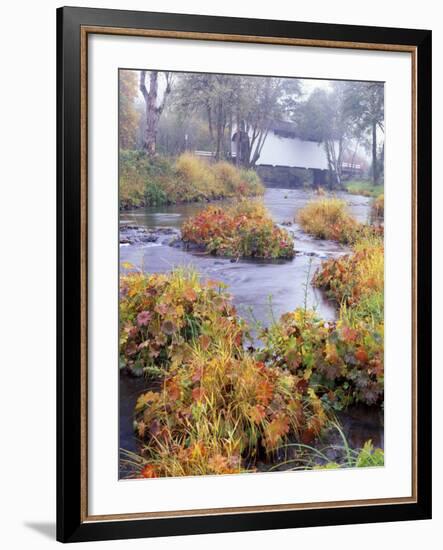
153,111
366,105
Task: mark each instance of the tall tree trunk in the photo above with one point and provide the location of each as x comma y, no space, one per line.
209,114
357,144
219,129
153,111
374,153
339,161
381,164
229,148
259,146
237,140
330,166
334,162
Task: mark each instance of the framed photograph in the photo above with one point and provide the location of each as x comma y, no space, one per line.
244,274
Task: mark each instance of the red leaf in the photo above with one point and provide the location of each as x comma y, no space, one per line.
307,436
198,394
361,355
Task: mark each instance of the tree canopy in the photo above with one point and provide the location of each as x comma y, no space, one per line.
205,111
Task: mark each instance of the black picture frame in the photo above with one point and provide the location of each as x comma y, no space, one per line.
71,524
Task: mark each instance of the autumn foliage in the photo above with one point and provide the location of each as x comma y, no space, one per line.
345,357
244,230
222,403
161,314
219,412
354,276
342,361
217,407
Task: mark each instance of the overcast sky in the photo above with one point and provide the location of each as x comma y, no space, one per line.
309,84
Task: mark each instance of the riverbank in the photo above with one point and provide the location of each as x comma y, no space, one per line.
154,181
364,188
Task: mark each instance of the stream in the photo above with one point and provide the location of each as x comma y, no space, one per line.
262,290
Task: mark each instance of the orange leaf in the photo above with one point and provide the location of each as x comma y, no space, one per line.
257,413
276,429
361,355
198,394
219,464
189,294
349,334
265,391
173,390
204,342
149,471
141,428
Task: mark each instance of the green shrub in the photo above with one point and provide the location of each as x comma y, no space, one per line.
366,457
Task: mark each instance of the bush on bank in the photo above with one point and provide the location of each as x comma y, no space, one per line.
356,281
156,181
220,414
161,314
341,361
345,357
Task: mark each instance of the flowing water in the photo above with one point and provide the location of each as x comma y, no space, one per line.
262,290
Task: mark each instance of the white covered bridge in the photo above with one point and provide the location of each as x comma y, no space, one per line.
286,158
282,147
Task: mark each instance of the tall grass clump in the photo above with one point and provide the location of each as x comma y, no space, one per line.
355,275
237,181
196,178
146,181
328,219
219,414
378,209
366,457
244,230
